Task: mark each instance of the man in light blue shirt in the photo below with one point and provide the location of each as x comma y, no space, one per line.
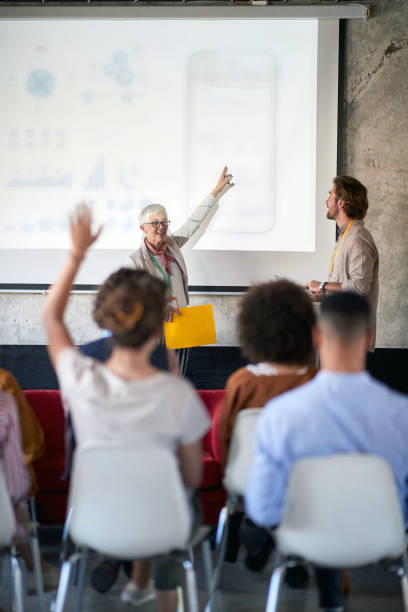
342,410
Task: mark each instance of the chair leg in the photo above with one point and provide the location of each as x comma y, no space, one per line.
75,573
191,586
65,536
274,589
180,599
35,553
220,546
402,573
81,580
404,587
63,584
17,578
207,564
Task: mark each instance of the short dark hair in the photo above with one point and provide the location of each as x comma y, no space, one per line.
354,195
275,323
346,315
130,304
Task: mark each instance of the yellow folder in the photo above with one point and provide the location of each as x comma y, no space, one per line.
194,327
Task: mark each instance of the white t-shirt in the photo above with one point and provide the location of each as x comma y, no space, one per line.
163,408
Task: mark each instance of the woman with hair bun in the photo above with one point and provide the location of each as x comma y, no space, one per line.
126,394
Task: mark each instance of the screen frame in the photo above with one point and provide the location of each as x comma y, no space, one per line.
328,28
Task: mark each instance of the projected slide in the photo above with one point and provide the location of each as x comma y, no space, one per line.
124,113
231,110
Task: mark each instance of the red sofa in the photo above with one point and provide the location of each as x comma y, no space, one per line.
51,500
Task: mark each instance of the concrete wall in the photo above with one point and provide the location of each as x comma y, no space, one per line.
20,318
375,151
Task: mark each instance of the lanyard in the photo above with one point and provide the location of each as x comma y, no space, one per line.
336,250
163,272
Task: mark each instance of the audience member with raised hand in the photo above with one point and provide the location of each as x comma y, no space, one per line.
126,399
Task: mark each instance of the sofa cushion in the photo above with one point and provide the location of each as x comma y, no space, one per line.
211,472
49,472
211,398
48,408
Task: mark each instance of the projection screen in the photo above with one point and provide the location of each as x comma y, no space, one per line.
125,112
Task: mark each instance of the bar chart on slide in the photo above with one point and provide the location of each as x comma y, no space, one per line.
96,178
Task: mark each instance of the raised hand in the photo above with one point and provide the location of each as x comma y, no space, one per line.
223,185
82,237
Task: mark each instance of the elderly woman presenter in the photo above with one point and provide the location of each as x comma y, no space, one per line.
160,254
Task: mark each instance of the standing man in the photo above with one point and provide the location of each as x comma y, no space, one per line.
341,410
160,253
354,263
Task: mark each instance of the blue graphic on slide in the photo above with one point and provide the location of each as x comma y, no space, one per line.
127,175
46,224
125,76
127,205
96,178
42,181
127,224
120,57
119,69
109,70
37,138
28,227
87,96
40,83
63,222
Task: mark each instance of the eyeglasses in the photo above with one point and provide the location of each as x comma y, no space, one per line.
165,224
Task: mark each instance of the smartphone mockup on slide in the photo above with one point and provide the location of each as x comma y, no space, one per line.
230,119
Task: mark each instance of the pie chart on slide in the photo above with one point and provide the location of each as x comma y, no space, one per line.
40,83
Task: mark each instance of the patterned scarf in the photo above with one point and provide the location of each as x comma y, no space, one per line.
165,256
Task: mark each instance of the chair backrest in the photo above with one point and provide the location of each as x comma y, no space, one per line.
7,519
240,454
342,511
128,501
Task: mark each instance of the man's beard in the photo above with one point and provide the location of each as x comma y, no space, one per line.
329,216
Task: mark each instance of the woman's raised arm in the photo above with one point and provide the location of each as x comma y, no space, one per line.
56,301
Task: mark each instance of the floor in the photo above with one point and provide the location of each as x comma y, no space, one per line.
371,589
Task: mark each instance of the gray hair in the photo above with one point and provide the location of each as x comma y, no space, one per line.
150,210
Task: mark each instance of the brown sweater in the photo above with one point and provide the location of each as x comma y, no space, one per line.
31,432
252,387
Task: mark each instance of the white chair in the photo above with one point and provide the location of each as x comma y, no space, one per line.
341,511
7,546
235,481
126,502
